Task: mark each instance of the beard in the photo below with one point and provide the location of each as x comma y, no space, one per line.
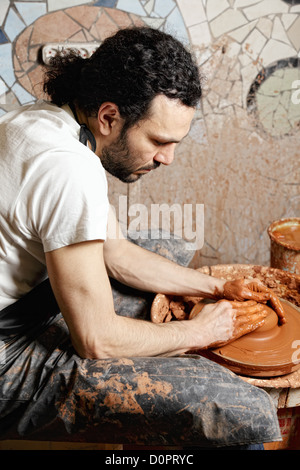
120,162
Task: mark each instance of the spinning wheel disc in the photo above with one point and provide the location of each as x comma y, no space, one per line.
269,351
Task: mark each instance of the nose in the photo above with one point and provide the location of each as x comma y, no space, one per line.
166,154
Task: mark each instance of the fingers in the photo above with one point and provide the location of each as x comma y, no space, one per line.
241,289
249,316
277,307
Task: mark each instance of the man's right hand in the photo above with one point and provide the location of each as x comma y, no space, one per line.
226,321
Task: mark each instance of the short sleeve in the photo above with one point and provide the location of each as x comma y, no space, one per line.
64,201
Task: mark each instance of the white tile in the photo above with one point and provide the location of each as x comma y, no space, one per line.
295,9
214,9
279,32
288,20
4,4
276,50
241,33
149,6
265,26
244,3
254,43
266,7
153,22
227,21
163,7
61,4
200,34
293,397
192,11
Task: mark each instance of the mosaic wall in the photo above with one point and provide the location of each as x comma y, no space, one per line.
241,159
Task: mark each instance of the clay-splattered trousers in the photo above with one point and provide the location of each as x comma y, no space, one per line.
47,392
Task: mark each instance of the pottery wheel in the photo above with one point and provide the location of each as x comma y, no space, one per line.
269,351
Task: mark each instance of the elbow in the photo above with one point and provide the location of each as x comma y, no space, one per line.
87,349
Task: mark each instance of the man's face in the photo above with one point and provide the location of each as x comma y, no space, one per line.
150,142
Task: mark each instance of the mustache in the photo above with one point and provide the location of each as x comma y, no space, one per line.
150,167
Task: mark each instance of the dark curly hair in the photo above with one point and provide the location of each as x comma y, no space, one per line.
129,69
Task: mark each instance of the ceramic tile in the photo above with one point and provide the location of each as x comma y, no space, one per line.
254,43
105,26
149,6
120,18
105,3
244,3
288,20
241,33
226,22
295,9
3,88
153,22
132,6
164,7
61,4
276,50
58,26
23,96
6,64
3,38
279,32
30,11
4,5
266,7
214,9
13,25
294,33
174,24
85,16
200,34
265,26
192,12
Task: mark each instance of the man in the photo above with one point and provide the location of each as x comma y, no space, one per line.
134,100
124,110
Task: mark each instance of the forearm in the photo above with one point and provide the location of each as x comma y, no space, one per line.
147,271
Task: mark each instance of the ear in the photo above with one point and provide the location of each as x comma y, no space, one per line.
108,118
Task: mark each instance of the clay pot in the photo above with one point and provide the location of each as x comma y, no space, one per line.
284,253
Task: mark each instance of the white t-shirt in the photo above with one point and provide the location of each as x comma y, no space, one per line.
53,193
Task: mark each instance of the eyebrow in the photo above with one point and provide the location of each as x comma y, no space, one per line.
166,139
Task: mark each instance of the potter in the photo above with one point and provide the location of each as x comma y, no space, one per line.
100,124
123,111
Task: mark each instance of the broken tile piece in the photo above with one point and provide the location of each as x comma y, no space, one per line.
226,22
214,9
